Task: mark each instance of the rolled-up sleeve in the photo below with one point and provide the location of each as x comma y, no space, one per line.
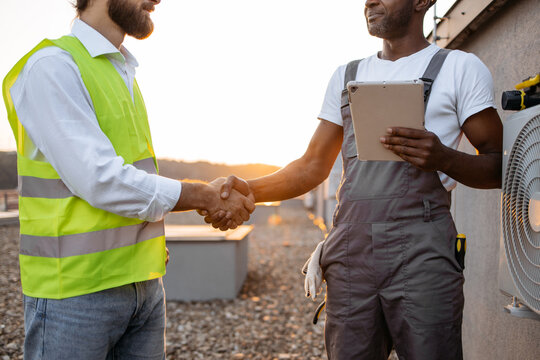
56,111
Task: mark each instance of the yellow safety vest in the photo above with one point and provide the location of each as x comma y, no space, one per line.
67,247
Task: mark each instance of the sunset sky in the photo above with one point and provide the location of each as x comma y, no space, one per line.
235,82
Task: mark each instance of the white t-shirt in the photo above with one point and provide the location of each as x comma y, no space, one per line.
463,88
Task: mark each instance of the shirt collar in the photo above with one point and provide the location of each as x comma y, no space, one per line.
97,44
431,48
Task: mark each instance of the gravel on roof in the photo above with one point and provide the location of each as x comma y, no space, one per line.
270,318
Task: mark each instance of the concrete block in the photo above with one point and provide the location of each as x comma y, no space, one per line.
205,263
9,218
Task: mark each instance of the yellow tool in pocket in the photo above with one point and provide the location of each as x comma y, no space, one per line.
461,249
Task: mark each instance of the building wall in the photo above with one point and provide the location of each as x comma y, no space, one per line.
509,44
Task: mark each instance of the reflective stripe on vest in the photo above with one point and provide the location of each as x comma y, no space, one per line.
30,186
91,242
69,248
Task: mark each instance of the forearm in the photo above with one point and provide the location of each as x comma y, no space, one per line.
481,171
295,179
484,170
195,195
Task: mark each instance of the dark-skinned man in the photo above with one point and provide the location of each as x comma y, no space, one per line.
392,277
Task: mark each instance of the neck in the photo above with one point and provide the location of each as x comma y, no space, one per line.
98,18
394,49
405,41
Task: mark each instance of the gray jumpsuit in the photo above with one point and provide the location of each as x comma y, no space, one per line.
392,277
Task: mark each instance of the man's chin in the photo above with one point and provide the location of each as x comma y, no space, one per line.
375,32
141,34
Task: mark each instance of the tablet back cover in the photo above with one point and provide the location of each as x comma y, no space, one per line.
376,106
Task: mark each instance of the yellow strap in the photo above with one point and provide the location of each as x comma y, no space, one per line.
20,140
523,94
529,82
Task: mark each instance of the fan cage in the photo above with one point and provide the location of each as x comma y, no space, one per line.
521,242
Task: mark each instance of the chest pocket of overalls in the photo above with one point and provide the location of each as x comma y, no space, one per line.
377,179
370,179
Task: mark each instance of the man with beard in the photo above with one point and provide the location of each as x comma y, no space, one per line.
392,276
92,247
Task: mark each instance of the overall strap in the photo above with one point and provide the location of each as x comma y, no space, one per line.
350,72
432,71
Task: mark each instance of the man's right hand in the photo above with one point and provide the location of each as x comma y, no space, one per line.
206,198
236,183
230,211
229,188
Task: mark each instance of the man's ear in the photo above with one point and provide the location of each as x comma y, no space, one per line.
423,5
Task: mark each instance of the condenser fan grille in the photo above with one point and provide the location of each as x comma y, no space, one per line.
521,186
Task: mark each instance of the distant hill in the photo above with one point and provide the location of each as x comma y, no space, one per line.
169,168
208,171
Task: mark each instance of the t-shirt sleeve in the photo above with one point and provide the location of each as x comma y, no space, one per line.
331,107
474,88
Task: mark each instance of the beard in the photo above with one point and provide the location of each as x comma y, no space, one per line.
134,20
393,24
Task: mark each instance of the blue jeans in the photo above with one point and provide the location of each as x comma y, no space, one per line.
127,322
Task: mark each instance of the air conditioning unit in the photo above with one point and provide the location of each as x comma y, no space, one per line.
519,265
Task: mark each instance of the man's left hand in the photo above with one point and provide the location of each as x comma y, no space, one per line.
421,148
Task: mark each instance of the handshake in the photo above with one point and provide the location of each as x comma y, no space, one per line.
229,204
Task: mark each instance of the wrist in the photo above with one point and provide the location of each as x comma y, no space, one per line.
449,156
254,190
209,197
195,195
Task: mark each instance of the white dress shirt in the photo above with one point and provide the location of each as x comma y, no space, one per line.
55,108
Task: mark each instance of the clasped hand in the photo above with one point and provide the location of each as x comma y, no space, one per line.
234,203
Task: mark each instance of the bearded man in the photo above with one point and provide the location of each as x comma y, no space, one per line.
392,276
92,247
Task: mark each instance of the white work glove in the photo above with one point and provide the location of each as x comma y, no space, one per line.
314,278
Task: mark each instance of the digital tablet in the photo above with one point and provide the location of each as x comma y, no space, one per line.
376,106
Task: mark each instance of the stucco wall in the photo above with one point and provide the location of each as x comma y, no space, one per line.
509,44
